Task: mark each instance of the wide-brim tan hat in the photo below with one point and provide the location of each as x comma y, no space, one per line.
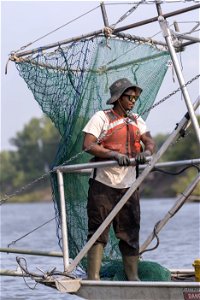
119,87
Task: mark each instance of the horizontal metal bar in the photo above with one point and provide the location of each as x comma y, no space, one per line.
187,37
176,163
154,19
101,164
32,252
113,284
87,167
121,283
13,273
64,42
188,44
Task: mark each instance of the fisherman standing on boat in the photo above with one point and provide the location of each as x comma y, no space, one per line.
116,134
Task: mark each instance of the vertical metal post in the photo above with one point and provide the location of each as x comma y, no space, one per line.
176,27
104,14
63,221
167,35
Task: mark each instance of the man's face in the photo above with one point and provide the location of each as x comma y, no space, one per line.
128,99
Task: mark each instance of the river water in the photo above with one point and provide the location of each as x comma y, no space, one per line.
179,242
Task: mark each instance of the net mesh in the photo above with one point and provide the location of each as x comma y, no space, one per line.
147,271
70,84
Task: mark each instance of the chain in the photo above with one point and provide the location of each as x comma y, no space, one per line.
25,187
171,94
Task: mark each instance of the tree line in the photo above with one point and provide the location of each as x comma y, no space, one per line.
36,147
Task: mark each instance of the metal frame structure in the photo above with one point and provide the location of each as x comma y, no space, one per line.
182,124
152,162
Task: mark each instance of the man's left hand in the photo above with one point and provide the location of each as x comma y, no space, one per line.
141,157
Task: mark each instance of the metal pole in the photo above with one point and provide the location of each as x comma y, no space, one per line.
155,19
63,221
187,44
187,37
181,200
176,26
98,32
167,36
130,191
89,166
32,252
176,163
104,14
13,273
189,162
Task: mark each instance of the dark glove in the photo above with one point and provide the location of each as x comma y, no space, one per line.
141,157
123,160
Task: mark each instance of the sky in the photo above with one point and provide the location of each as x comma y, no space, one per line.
22,22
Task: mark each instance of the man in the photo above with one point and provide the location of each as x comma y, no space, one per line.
116,134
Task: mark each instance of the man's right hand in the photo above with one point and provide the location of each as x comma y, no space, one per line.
123,160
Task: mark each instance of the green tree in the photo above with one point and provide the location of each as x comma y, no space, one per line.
36,148
184,148
8,161
183,181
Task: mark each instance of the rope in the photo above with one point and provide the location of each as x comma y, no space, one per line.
157,239
38,39
14,242
25,187
108,31
24,271
44,276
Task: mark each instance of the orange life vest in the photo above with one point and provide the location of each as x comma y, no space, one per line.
123,134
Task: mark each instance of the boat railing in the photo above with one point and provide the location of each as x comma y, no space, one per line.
86,168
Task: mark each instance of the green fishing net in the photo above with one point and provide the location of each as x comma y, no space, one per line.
72,82
147,271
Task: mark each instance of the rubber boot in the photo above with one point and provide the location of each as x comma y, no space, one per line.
131,267
94,259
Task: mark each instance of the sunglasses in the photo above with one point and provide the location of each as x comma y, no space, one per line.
131,98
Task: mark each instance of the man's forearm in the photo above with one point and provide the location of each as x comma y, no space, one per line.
99,151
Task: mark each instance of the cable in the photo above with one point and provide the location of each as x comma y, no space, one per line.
157,239
175,173
127,14
14,242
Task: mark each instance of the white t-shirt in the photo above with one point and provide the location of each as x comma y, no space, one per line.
117,177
